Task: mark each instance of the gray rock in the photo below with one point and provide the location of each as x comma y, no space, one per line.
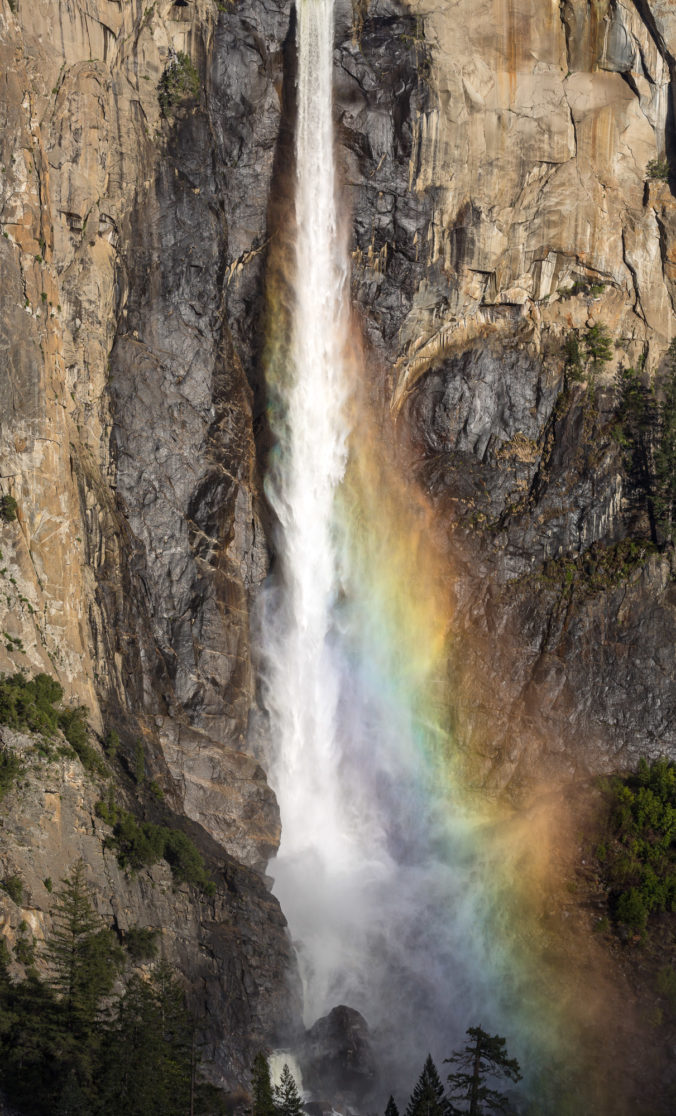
337,1059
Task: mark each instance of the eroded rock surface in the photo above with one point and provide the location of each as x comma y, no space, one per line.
337,1057
132,261
232,947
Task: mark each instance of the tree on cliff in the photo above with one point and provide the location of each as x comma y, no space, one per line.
147,1052
287,1097
427,1098
263,1101
665,453
483,1057
83,954
391,1107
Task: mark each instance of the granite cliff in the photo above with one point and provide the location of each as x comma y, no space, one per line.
496,160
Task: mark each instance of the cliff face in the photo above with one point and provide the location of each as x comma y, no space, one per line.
129,324
498,167
495,159
131,277
231,947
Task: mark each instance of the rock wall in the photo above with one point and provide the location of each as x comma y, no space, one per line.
495,159
132,255
232,948
499,169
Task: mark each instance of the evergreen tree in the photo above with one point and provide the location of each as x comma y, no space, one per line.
483,1057
427,1098
37,1048
147,1058
636,432
391,1107
287,1097
261,1087
84,955
665,454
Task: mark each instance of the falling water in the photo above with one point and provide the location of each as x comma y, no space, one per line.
379,870
304,682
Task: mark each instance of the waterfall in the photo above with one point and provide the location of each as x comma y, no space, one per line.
304,683
381,871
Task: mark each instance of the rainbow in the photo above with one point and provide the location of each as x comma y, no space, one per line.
411,896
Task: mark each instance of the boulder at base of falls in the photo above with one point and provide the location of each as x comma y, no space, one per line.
337,1059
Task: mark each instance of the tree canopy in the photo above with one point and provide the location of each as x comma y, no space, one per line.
484,1057
287,1098
427,1098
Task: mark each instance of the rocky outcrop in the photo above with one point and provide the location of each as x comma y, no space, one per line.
337,1059
534,160
231,948
132,259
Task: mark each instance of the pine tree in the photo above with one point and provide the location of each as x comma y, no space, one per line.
484,1056
427,1098
147,1068
83,954
287,1097
391,1107
636,431
261,1087
665,454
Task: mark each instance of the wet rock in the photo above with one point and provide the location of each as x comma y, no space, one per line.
336,1057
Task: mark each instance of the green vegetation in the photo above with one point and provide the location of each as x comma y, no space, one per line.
62,1053
666,985
262,1097
35,705
111,744
638,850
13,885
179,83
8,508
582,286
11,768
483,1059
24,947
140,844
287,1097
140,942
83,955
147,1059
139,763
600,567
645,428
586,354
427,1098
658,168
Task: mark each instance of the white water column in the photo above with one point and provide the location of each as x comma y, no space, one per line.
303,683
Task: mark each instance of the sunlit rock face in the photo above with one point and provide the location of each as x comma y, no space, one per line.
132,261
497,162
492,155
